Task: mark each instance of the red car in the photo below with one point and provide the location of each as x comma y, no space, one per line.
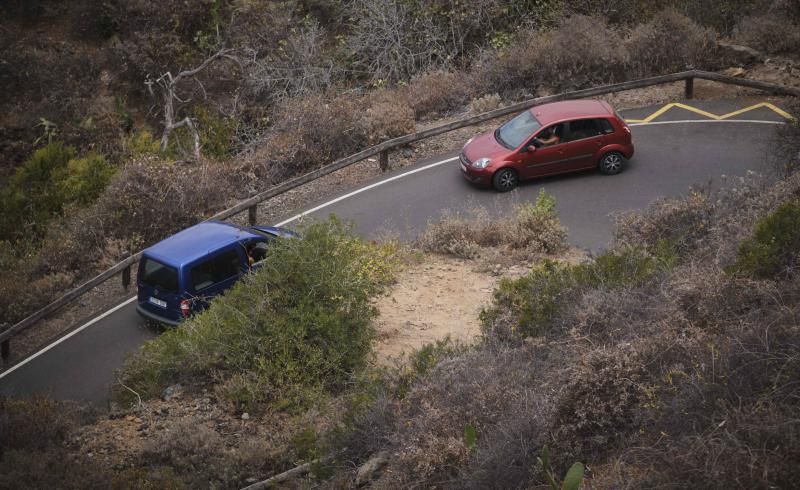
549,139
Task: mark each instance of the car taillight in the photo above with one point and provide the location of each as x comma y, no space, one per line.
186,307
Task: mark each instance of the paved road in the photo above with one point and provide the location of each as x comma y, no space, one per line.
670,157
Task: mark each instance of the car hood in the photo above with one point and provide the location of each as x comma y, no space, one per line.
484,146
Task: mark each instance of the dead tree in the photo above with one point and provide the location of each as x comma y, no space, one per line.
169,85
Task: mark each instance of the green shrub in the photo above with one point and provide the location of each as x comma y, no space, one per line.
296,328
216,134
532,301
537,227
32,195
773,250
85,179
51,179
531,305
141,143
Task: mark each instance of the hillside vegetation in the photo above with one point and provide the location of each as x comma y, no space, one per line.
288,87
669,360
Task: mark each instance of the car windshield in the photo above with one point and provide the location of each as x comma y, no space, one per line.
516,131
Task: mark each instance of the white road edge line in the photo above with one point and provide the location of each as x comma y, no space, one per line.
341,198
363,189
62,339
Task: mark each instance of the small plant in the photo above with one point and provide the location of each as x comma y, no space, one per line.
774,248
572,480
470,437
49,131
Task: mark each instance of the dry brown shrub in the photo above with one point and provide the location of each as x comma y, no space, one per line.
24,289
681,223
528,233
387,116
670,42
596,407
308,132
580,51
513,71
585,51
34,424
187,445
437,92
486,103
490,390
150,198
772,30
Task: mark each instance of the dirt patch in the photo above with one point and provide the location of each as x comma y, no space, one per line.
438,298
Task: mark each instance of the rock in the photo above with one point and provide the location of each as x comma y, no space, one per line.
734,72
171,392
129,418
368,470
741,55
245,416
137,420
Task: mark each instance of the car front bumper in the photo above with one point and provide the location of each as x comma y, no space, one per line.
475,175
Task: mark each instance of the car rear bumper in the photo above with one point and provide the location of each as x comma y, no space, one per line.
149,315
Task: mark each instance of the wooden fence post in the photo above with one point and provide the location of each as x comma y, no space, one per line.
252,214
384,160
689,89
126,277
5,351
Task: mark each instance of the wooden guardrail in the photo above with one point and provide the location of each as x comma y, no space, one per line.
382,149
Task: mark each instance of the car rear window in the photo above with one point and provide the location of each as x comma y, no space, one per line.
582,128
159,276
215,270
605,126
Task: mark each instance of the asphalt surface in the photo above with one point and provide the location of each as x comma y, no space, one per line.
669,159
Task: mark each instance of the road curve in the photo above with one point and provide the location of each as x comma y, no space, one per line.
672,153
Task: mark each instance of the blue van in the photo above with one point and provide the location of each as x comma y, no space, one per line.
179,275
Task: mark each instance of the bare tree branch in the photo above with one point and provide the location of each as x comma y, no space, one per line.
169,85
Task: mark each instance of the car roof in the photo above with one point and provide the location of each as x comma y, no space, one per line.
570,109
197,241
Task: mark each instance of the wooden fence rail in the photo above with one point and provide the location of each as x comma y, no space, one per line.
383,149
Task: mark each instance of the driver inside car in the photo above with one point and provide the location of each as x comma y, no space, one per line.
549,136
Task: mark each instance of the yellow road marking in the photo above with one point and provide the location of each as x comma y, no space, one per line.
709,115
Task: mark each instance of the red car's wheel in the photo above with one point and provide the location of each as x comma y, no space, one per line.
611,163
505,179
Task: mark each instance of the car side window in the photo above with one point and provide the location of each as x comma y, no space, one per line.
256,250
215,269
605,126
582,128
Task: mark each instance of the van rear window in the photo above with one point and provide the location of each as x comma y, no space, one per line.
216,269
157,275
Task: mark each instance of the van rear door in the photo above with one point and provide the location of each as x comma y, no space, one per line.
158,289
